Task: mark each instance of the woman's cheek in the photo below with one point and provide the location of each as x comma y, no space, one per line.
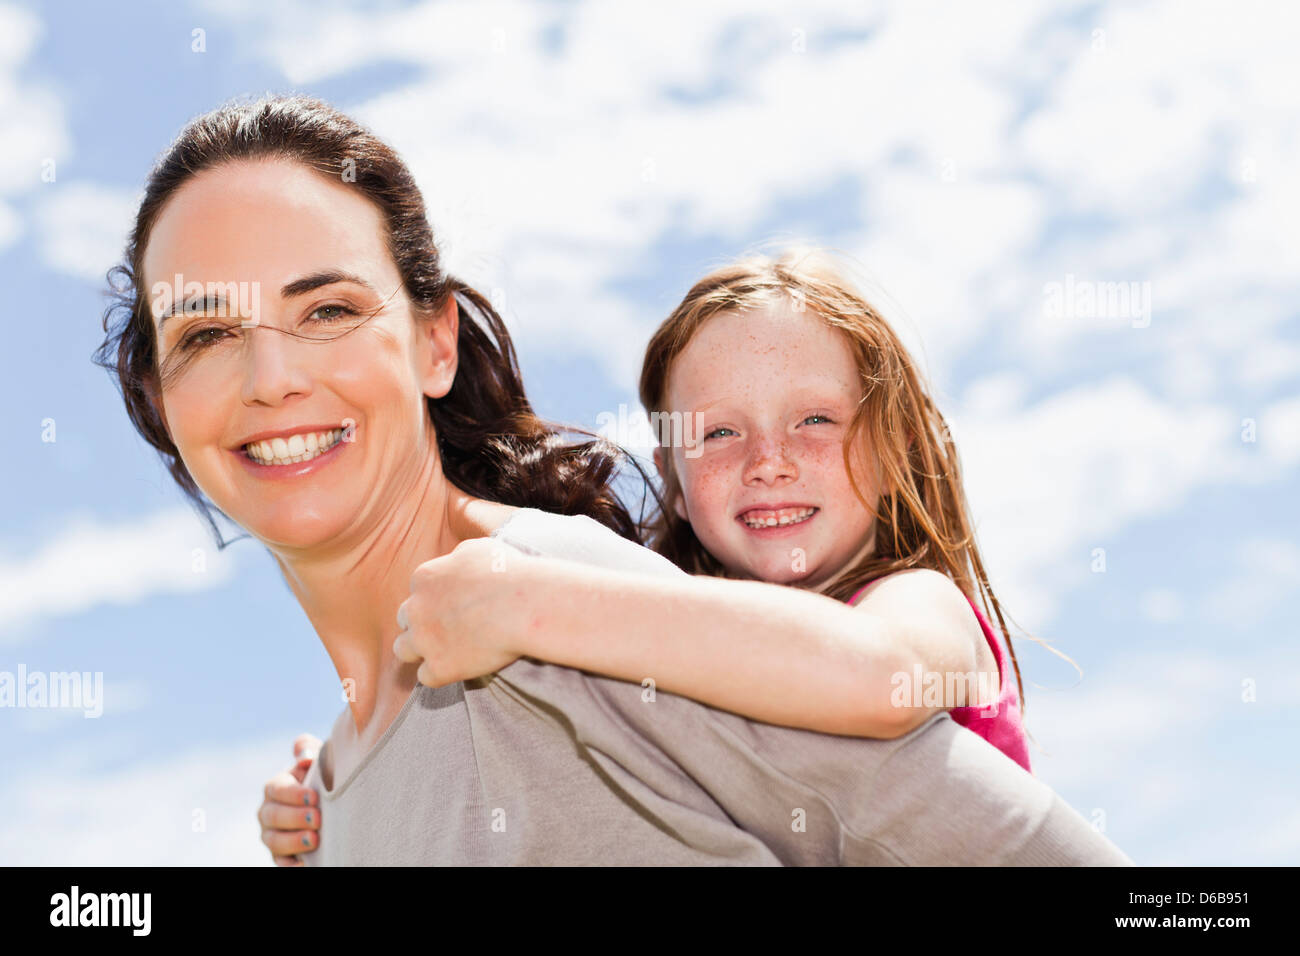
190,442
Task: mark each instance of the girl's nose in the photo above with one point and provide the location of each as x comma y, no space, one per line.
770,462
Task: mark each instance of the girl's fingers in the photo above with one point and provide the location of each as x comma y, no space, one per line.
404,648
279,816
289,842
305,745
287,789
287,861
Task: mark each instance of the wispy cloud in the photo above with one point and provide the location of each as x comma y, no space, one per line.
195,808
32,125
88,562
83,227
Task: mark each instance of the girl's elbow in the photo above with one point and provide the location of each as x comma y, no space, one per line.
889,722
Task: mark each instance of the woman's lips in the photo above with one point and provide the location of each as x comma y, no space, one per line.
299,469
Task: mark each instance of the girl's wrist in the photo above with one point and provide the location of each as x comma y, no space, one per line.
525,598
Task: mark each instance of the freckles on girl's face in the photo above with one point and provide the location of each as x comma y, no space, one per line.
769,395
312,254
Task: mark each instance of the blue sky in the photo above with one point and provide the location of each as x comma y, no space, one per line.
585,165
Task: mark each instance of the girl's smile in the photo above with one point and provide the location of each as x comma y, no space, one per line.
771,520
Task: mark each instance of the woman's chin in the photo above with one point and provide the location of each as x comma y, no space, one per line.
291,530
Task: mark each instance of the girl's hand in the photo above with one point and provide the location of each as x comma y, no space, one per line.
290,812
466,612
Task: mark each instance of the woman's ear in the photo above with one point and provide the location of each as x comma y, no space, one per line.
438,344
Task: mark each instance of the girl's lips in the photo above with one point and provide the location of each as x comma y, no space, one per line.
778,530
297,470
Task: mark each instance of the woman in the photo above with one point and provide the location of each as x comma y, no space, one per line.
291,346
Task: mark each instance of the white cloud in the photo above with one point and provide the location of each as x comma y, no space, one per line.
1151,90
143,814
83,227
525,158
1051,482
1123,738
90,562
1279,431
31,119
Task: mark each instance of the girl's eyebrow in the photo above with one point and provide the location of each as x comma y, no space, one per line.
300,286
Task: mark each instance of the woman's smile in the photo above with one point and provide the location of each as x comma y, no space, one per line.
301,454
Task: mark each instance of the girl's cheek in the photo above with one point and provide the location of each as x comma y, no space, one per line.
706,483
826,458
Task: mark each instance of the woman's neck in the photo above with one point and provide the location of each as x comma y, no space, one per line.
351,591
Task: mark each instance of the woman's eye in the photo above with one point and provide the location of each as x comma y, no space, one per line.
341,311
196,338
716,431
825,418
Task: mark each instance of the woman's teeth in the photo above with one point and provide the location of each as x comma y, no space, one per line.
776,519
296,448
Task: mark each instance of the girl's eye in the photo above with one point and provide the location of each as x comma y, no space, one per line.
717,430
824,418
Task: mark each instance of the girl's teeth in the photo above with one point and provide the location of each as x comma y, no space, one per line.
297,448
773,520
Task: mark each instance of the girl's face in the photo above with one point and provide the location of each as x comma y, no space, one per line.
311,253
765,488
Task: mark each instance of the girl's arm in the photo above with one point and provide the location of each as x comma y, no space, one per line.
770,652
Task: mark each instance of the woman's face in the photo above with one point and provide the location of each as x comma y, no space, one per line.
308,252
766,490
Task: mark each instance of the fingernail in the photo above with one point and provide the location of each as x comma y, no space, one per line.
306,799
306,841
308,817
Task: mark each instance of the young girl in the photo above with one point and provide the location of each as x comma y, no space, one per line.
797,447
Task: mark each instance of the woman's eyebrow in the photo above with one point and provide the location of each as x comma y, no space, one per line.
315,280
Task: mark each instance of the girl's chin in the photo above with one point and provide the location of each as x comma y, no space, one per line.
778,573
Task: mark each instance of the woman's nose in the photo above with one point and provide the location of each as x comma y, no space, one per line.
274,366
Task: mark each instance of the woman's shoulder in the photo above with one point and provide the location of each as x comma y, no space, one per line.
578,538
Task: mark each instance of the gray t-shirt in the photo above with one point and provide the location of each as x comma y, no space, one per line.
540,764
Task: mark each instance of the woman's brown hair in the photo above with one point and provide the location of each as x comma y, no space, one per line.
491,442
924,518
